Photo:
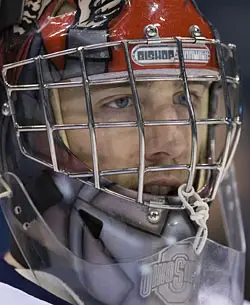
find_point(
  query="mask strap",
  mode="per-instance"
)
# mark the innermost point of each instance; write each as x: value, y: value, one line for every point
x: 199, y: 213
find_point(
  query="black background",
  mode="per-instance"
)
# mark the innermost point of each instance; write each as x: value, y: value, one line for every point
x: 232, y: 19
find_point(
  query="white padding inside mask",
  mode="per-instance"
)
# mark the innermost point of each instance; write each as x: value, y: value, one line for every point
x: 198, y: 74
x: 55, y: 102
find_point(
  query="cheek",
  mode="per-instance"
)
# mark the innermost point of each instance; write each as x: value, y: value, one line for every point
x: 80, y: 145
x: 202, y: 139
x: 116, y: 148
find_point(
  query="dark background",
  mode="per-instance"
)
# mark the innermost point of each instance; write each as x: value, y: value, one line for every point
x: 232, y: 19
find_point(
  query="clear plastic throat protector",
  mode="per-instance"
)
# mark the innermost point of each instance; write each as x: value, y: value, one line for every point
x: 99, y: 242
x: 123, y: 265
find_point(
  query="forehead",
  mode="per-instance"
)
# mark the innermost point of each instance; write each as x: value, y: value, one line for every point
x: 154, y: 86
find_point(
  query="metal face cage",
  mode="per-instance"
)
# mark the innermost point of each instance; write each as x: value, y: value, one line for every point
x: 227, y: 77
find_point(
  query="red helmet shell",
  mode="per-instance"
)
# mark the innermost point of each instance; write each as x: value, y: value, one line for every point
x: 173, y: 18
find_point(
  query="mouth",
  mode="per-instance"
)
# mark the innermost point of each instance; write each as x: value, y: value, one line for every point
x: 160, y: 190
x: 167, y: 186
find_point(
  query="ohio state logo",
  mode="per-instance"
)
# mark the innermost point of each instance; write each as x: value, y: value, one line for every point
x: 170, y: 277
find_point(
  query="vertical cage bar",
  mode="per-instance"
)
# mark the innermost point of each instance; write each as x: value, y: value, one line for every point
x: 91, y: 122
x: 38, y: 62
x: 238, y: 113
x: 227, y: 101
x: 140, y: 123
x: 9, y: 99
x: 194, y: 153
x: 237, y: 116
x: 234, y: 145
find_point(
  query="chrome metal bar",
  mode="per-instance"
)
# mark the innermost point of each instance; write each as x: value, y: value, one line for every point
x: 81, y: 175
x: 233, y: 127
x: 140, y: 124
x: 65, y: 84
x: 34, y: 128
x: 106, y: 45
x: 238, y: 110
x: 18, y: 64
x: 218, y: 121
x: 141, y: 78
x: 238, y: 113
x: 227, y: 102
x: 194, y: 150
x: 161, y: 168
x: 112, y: 81
x: 132, y: 170
x: 45, y: 112
x: 180, y: 167
x: 9, y: 99
x: 28, y: 155
x: 29, y: 87
x: 235, y: 61
x: 235, y: 142
x: 71, y: 126
x: 135, y: 170
x: 37, y: 128
x: 91, y: 122
x: 12, y: 108
x: 208, y: 166
x: 14, y: 119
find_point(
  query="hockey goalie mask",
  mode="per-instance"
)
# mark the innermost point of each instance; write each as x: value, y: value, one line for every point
x: 120, y: 122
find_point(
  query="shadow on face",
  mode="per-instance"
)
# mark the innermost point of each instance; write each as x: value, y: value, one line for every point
x: 119, y: 147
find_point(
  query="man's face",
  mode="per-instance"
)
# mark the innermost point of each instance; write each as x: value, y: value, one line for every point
x: 118, y: 147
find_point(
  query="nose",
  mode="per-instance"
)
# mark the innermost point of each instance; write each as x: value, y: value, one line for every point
x: 165, y: 142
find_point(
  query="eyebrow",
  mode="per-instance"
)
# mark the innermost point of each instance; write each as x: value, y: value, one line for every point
x: 148, y: 84
x: 193, y: 83
x: 111, y: 86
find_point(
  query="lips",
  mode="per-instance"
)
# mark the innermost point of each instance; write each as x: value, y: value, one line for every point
x: 162, y: 187
x: 157, y: 189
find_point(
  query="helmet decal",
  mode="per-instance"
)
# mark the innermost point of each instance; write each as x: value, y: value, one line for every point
x: 110, y: 150
x: 31, y: 13
x: 97, y: 14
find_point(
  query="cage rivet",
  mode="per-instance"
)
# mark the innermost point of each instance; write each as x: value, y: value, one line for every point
x: 26, y: 226
x: 151, y: 31
x: 6, y: 109
x: 195, y: 31
x: 17, y: 210
x: 154, y: 216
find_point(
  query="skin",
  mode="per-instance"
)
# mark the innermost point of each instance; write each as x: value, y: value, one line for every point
x: 119, y: 147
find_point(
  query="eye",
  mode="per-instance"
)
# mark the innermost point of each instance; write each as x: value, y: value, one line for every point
x: 180, y: 99
x: 121, y: 103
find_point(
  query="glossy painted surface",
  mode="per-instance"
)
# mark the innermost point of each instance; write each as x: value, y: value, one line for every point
x: 172, y: 19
